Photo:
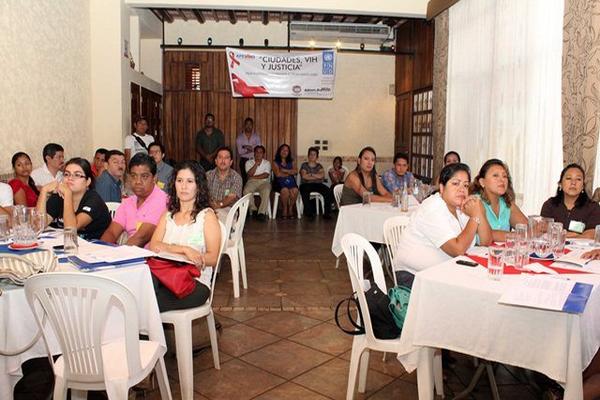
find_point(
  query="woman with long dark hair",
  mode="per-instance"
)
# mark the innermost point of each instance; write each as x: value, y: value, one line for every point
x: 364, y: 179
x: 73, y: 203
x: 571, y: 205
x: 285, y: 172
x: 189, y: 228
x: 493, y: 184
x: 23, y: 187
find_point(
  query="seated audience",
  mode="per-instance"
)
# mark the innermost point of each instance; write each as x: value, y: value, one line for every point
x: 163, y: 170
x: 337, y: 173
x: 208, y: 140
x: 24, y: 190
x: 494, y: 186
x: 451, y: 157
x: 73, y: 203
x: 138, y: 215
x: 445, y: 225
x: 54, y: 161
x: 189, y: 228
x: 245, y: 143
x: 258, y: 171
x: 99, y: 162
x: 6, y: 199
x: 285, y: 180
x: 364, y: 179
x: 312, y: 176
x: 398, y: 176
x: 571, y: 205
x: 109, y: 184
x: 139, y: 140
x: 224, y: 184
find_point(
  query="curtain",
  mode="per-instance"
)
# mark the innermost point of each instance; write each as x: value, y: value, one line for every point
x: 504, y: 91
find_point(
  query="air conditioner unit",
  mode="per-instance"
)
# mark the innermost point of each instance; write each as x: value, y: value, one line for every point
x: 344, y: 32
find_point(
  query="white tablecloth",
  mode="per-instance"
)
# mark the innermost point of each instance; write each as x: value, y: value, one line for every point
x: 456, y: 307
x: 18, y: 327
x: 366, y: 221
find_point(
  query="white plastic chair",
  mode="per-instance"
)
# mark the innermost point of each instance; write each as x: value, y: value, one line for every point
x: 269, y: 214
x: 299, y: 206
x: 77, y: 306
x: 112, y: 207
x: 337, y: 194
x: 392, y: 232
x: 182, y: 324
x: 354, y: 247
x: 234, y: 226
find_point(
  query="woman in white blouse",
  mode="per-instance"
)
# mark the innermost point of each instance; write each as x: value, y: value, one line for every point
x: 189, y: 228
x: 444, y: 225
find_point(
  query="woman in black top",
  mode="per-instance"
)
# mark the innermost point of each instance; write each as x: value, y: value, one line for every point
x: 572, y: 205
x: 313, y: 175
x: 73, y: 202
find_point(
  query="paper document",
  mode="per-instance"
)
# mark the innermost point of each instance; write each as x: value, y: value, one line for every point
x: 572, y: 259
x: 478, y: 251
x: 548, y: 293
x: 97, y: 253
x: 173, y: 257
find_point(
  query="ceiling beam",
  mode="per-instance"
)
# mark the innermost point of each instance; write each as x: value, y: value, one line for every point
x: 265, y: 17
x: 182, y: 14
x: 199, y: 16
x: 328, y: 18
x: 157, y: 14
x: 215, y: 15
x: 249, y: 16
x: 232, y: 17
x: 166, y: 16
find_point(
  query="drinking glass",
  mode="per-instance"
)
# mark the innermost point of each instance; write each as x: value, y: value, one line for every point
x: 597, y: 236
x: 396, y: 198
x: 4, y: 231
x: 495, y: 262
x: 70, y: 244
x: 23, y: 233
x: 521, y: 231
x: 366, y: 199
x: 510, y: 242
x: 559, y: 245
x: 38, y: 220
x: 541, y: 247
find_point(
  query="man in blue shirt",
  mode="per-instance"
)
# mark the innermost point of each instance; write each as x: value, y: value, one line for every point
x: 394, y: 179
x: 109, y: 183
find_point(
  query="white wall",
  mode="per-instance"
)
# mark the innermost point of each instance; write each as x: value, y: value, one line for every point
x: 362, y: 111
x: 45, y: 80
x: 151, y: 59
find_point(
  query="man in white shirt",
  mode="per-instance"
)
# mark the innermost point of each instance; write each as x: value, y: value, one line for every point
x: 258, y: 171
x: 138, y: 141
x: 6, y: 199
x: 54, y: 162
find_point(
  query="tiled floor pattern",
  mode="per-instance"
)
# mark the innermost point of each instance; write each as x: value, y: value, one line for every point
x: 279, y: 340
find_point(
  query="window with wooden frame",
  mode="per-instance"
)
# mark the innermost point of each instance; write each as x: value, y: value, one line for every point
x: 422, y: 135
x: 192, y: 76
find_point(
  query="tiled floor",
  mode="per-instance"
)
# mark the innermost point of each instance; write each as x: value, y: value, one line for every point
x: 279, y: 340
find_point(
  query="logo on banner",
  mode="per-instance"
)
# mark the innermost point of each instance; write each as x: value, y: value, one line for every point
x: 297, y: 89
x: 234, y: 61
x: 328, y: 62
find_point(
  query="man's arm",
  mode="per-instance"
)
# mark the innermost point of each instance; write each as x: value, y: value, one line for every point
x: 142, y: 236
x: 112, y: 233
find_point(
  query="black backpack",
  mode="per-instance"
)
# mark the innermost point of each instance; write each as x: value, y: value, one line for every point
x: 382, y: 320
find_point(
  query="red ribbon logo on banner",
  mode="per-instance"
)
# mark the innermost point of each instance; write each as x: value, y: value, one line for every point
x: 233, y: 60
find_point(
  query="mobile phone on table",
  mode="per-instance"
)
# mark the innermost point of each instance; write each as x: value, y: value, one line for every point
x: 467, y: 263
x: 58, y: 247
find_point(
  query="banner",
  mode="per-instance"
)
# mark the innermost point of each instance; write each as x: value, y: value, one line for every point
x: 306, y: 74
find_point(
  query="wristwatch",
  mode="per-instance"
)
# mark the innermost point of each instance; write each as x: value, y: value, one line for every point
x: 477, y: 220
x: 221, y: 205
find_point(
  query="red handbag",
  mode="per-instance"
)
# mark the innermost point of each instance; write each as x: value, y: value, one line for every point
x: 176, y: 276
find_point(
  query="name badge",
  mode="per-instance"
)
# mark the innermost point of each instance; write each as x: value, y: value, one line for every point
x: 576, y: 226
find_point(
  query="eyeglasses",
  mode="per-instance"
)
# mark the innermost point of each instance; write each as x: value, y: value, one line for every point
x: 76, y: 175
x: 143, y: 177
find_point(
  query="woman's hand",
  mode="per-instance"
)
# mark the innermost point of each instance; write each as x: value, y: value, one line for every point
x: 194, y: 256
x: 50, y: 187
x: 472, y: 207
x: 592, y: 254
x: 63, y: 190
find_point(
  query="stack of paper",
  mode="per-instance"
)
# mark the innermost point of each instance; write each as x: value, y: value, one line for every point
x: 548, y: 293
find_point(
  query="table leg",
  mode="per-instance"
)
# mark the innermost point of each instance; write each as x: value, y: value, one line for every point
x: 425, y: 373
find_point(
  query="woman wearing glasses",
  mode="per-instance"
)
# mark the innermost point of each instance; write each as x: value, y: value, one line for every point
x: 73, y: 203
